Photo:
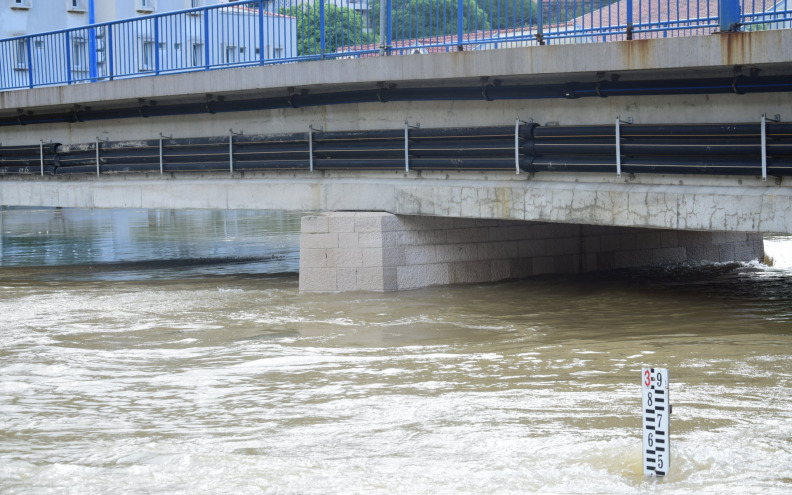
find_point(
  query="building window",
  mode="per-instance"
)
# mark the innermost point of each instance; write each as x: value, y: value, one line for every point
x: 145, y: 6
x: 20, y: 4
x: 147, y: 55
x: 79, y: 54
x: 197, y: 54
x: 76, y: 6
x: 231, y: 54
x: 20, y: 55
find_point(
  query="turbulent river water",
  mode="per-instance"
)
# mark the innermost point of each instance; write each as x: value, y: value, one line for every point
x: 170, y: 352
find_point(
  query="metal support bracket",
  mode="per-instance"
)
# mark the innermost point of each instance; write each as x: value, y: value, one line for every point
x: 161, y: 158
x: 231, y: 135
x: 517, y: 123
x: 310, y: 145
x: 619, y: 122
x: 407, y: 127
x: 41, y: 155
x: 99, y: 140
x: 765, y: 118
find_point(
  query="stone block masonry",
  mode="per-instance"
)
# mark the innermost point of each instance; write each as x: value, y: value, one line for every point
x: 373, y: 251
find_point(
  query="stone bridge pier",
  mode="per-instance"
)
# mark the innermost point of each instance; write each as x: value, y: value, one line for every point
x: 376, y: 251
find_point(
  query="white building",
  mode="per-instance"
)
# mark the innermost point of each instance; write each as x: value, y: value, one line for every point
x: 142, y: 41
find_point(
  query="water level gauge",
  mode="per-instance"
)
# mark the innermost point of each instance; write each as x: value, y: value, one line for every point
x: 656, y: 409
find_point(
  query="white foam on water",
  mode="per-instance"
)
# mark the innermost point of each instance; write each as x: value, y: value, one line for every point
x: 779, y: 249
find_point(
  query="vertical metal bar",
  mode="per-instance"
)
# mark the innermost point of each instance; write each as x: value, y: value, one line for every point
x: 156, y: 46
x: 618, y: 146
x: 231, y: 150
x: 629, y: 19
x: 517, y: 145
x: 539, y: 22
x: 110, y: 50
x: 41, y: 155
x: 97, y: 156
x: 68, y: 58
x: 29, y: 61
x: 764, y: 147
x: 322, y: 41
x: 310, y: 148
x: 206, y: 38
x: 728, y: 14
x: 389, y: 29
x: 92, y: 41
x: 161, y: 160
x: 261, y: 31
x: 460, y: 20
x: 406, y: 148
x: 383, y: 19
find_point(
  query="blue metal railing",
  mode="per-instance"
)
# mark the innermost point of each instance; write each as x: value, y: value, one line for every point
x: 260, y: 32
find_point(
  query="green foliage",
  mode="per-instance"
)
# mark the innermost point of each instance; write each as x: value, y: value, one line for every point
x: 343, y: 27
x: 430, y: 18
x: 506, y: 14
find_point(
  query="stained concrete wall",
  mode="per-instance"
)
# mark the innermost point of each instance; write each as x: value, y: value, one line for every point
x: 350, y: 251
x: 734, y: 204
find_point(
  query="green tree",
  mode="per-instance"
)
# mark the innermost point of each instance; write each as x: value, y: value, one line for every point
x: 510, y: 14
x: 430, y: 18
x: 342, y: 27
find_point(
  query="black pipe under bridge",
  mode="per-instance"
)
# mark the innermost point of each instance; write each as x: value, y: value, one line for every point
x: 761, y: 149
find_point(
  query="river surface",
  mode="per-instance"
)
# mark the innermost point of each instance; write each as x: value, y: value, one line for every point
x: 170, y: 352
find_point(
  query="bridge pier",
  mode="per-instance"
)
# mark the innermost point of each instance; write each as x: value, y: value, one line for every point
x: 374, y: 251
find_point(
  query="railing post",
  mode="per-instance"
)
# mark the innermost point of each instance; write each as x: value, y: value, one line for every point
x: 206, y: 38
x: 460, y: 21
x: 322, y: 39
x: 384, y: 30
x: 92, y: 42
x: 29, y: 61
x: 109, y: 49
x: 156, y: 46
x: 729, y: 15
x: 68, y: 58
x: 261, y: 31
x: 539, y: 22
x: 389, y: 31
x: 629, y: 19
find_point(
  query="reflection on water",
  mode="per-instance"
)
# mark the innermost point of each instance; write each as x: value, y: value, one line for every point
x: 198, y: 370
x: 115, y: 244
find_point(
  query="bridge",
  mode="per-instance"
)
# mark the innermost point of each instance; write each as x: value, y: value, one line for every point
x: 442, y: 168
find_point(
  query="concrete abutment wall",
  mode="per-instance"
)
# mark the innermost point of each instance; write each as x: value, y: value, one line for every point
x: 373, y: 251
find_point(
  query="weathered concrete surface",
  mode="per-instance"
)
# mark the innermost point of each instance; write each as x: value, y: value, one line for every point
x: 658, y: 58
x: 368, y: 251
x: 702, y: 56
x: 699, y: 203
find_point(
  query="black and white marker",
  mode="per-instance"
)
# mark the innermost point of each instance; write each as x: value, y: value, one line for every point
x: 656, y: 409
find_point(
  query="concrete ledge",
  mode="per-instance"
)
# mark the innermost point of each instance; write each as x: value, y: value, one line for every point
x: 712, y: 204
x: 651, y: 58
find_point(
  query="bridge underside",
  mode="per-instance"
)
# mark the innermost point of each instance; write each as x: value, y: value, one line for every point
x: 372, y: 251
